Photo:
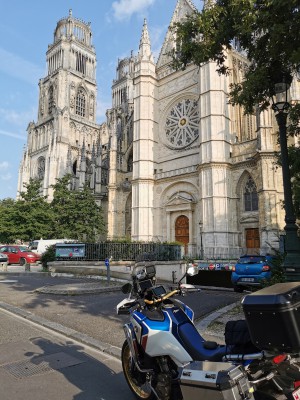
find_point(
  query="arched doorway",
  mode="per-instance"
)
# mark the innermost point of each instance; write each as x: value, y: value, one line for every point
x: 182, y: 231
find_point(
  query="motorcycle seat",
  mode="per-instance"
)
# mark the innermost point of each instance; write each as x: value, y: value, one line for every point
x: 196, y: 346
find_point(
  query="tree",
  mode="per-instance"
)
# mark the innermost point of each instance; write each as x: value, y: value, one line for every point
x: 32, y: 216
x: 7, y: 232
x: 267, y: 30
x: 77, y: 214
x: 28, y: 218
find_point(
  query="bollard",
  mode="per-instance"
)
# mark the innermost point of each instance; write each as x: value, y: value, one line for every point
x: 107, y: 262
x: 4, y: 266
x: 27, y: 267
x: 174, y: 279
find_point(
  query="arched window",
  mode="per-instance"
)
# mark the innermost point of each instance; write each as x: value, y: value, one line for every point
x: 80, y: 103
x: 50, y: 100
x: 250, y: 196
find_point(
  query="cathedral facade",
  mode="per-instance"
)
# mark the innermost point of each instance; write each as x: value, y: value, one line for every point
x: 173, y: 161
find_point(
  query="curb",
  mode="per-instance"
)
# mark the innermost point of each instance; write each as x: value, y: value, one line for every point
x: 70, y: 333
x: 76, y: 290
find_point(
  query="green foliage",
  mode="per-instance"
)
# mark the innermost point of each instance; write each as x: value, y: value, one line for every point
x: 294, y: 162
x: 48, y: 256
x: 71, y: 214
x: 7, y: 232
x: 27, y: 218
x: 278, y: 274
x: 267, y: 31
x: 77, y: 216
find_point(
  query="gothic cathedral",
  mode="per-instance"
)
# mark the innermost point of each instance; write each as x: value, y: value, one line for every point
x: 173, y: 161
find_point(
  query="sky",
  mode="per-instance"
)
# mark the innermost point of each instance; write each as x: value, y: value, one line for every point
x: 26, y: 29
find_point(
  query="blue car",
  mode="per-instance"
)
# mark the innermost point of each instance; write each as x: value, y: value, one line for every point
x: 251, y: 271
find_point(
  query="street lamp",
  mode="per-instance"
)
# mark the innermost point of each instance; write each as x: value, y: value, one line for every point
x: 201, y: 242
x: 291, y: 263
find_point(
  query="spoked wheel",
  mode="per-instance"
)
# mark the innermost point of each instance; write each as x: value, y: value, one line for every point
x: 136, y: 380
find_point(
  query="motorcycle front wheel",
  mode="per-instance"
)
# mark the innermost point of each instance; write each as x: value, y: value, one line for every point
x: 136, y: 380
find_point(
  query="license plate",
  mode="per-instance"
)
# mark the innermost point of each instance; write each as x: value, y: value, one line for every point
x: 296, y: 394
x: 248, y: 280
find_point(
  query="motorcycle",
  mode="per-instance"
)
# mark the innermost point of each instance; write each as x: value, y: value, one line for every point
x: 165, y: 357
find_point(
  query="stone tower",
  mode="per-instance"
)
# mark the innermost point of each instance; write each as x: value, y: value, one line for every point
x: 66, y: 137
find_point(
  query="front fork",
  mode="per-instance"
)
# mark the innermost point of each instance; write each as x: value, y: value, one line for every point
x: 163, y: 379
x: 131, y: 340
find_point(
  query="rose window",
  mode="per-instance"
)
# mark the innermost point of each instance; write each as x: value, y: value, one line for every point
x: 182, y: 124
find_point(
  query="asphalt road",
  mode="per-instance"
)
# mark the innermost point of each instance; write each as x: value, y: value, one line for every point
x: 38, y: 363
x: 94, y: 314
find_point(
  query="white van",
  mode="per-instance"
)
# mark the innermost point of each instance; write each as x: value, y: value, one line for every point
x: 40, y: 246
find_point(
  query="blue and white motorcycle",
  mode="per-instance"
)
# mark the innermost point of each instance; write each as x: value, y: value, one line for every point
x: 165, y: 357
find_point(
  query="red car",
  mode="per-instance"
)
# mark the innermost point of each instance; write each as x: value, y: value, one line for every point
x: 19, y: 255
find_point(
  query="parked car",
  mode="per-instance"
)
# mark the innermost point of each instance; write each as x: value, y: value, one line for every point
x: 251, y: 271
x: 19, y: 254
x: 3, y: 260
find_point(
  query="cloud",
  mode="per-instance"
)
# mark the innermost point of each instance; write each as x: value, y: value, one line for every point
x: 124, y: 9
x: 15, y: 66
x: 13, y: 135
x: 17, y: 118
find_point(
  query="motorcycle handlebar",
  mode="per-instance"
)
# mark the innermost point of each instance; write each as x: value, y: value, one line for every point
x: 166, y: 296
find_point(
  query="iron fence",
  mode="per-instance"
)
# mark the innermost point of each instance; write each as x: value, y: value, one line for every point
x: 118, y: 251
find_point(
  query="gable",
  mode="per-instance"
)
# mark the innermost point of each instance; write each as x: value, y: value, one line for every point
x: 183, y: 7
x: 180, y: 198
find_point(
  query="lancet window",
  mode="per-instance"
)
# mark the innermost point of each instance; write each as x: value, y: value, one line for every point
x: 250, y: 196
x: 80, y: 103
x: 50, y: 100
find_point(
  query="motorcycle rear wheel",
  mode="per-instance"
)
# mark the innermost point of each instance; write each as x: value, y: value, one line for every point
x: 136, y: 380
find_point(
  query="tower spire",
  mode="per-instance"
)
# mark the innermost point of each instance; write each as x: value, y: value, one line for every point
x: 145, y: 44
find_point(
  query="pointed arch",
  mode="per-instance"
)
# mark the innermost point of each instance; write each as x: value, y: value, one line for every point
x: 250, y: 195
x: 247, y: 192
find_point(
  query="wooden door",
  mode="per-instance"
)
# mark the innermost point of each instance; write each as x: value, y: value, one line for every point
x: 182, y: 231
x: 252, y: 238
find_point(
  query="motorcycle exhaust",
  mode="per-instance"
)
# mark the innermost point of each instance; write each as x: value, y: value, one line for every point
x: 129, y: 338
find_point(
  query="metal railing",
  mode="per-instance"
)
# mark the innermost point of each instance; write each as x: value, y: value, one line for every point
x: 118, y: 251
x: 219, y: 253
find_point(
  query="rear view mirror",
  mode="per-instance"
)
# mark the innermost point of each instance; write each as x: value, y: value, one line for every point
x: 192, y: 270
x: 126, y: 288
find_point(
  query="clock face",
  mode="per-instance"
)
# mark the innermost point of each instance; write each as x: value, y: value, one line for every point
x: 182, y: 124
